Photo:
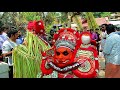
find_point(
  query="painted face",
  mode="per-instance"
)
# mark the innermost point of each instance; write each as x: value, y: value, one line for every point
x: 63, y: 56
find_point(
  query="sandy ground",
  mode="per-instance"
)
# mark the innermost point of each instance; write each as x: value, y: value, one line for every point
x: 101, y: 73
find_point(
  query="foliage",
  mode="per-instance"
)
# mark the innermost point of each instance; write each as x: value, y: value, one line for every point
x: 1, y: 24
x: 27, y: 58
x: 21, y: 18
x: 91, y: 21
x: 30, y: 16
x: 49, y: 21
x: 101, y: 14
x: 64, y: 17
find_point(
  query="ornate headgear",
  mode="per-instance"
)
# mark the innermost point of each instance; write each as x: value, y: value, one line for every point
x: 85, y: 37
x: 30, y: 26
x: 66, y: 37
x: 37, y: 26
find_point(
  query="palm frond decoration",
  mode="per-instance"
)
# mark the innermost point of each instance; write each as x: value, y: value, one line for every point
x: 27, y: 58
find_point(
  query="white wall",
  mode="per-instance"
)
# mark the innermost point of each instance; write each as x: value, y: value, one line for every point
x: 114, y: 22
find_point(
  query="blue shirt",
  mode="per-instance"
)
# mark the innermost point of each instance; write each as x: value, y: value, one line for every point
x: 2, y: 40
x: 20, y: 40
x: 112, y: 48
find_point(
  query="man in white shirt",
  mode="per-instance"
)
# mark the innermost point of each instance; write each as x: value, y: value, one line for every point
x: 7, y: 47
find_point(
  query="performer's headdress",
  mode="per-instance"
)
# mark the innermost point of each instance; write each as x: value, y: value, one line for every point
x: 66, y: 37
x: 37, y: 26
x: 85, y: 37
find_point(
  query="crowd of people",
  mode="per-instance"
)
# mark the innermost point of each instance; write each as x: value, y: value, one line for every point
x: 108, y: 47
x: 9, y: 38
x: 107, y: 43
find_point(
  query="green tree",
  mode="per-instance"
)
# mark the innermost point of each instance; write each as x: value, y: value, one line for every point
x: 91, y: 21
x: 101, y: 14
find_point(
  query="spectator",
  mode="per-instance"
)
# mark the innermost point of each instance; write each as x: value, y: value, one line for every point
x: 98, y: 39
x: 103, y: 27
x: 98, y: 35
x: 7, y: 48
x: 54, y: 28
x: 112, y: 52
x: 85, y: 29
x: 2, y: 40
x: 5, y: 30
x: 51, y: 36
x: 103, y: 36
x: 94, y: 35
x: 20, y: 39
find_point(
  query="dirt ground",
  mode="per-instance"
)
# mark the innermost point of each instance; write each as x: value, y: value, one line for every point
x: 101, y: 72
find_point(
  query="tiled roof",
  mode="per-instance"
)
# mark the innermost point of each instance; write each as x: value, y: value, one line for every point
x: 99, y: 21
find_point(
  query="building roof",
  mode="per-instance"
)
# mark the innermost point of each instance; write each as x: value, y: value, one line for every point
x: 99, y: 21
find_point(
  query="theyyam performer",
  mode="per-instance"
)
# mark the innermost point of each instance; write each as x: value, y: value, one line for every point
x: 72, y: 56
x: 87, y: 51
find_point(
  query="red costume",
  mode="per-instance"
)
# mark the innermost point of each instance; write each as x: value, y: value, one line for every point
x: 37, y: 28
x: 87, y: 50
x: 67, y: 57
